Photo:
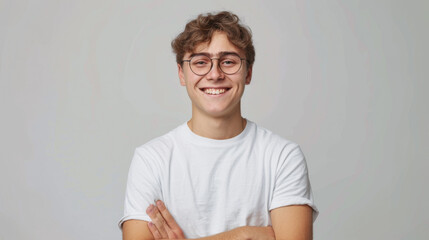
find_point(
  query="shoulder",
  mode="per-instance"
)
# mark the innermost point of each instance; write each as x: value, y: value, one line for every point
x: 268, y: 139
x: 160, y: 146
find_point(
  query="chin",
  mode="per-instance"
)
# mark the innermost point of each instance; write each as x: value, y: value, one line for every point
x: 218, y: 113
x: 217, y: 110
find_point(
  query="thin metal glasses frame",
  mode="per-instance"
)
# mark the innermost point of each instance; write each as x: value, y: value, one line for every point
x: 218, y: 64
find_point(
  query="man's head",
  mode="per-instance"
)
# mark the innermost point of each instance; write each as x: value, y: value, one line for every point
x: 201, y: 30
x: 214, y: 59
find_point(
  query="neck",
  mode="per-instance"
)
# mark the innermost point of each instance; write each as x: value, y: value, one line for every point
x: 217, y: 128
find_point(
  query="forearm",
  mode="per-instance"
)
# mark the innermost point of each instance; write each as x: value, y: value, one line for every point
x: 243, y: 233
x: 163, y: 226
x: 234, y: 234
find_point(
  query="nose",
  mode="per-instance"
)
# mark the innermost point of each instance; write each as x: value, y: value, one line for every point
x: 215, y: 72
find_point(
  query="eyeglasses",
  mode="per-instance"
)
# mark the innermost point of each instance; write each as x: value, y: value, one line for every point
x: 201, y: 64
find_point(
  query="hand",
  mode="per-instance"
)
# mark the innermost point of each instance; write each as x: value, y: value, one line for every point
x: 163, y: 224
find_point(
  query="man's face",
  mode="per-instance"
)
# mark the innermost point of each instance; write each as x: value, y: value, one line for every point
x: 215, y: 94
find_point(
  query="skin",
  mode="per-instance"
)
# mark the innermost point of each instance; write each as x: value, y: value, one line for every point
x: 219, y: 117
x: 216, y: 117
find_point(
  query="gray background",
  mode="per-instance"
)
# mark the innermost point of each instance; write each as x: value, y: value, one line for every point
x: 82, y: 83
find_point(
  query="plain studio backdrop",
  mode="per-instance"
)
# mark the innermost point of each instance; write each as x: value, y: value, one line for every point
x: 83, y: 83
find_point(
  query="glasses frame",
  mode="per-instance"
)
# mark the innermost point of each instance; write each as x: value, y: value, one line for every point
x: 218, y: 64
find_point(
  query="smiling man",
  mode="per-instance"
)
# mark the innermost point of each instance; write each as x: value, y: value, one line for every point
x: 219, y: 175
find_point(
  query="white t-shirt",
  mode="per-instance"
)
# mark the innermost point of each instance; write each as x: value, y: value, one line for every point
x: 212, y: 186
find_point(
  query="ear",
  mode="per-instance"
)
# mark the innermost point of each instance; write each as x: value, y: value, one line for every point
x: 181, y: 75
x: 249, y: 74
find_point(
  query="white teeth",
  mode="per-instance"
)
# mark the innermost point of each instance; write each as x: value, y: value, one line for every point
x: 213, y: 91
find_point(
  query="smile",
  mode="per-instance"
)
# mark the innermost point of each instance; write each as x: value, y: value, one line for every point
x: 214, y: 91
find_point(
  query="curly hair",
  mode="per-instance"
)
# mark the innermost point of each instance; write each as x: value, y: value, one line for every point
x: 201, y: 29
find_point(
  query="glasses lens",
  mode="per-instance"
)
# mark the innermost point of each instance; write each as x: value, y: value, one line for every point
x: 200, y: 64
x: 230, y: 63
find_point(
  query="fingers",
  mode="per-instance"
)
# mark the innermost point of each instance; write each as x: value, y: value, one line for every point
x: 154, y: 230
x: 159, y: 223
x: 169, y: 219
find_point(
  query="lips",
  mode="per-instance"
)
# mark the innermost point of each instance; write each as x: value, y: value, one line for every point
x: 214, y: 91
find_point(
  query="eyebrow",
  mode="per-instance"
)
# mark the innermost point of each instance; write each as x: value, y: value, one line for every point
x: 220, y: 54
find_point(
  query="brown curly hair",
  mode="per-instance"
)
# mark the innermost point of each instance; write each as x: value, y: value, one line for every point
x: 201, y: 29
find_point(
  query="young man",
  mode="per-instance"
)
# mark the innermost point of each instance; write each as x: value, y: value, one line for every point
x: 218, y: 176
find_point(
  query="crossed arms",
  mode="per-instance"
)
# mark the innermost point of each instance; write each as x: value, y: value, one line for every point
x: 290, y: 222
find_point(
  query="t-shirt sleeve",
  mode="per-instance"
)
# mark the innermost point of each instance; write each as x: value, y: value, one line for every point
x: 143, y: 187
x: 292, y: 184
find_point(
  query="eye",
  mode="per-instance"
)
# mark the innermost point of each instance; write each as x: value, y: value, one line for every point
x: 228, y: 62
x: 200, y: 62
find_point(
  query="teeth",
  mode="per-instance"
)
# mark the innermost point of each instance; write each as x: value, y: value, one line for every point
x: 213, y: 91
